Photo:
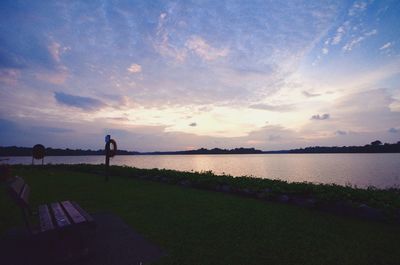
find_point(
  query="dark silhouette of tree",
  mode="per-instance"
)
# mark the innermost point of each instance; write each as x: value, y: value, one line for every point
x: 374, y: 147
x: 376, y: 143
x: 27, y: 151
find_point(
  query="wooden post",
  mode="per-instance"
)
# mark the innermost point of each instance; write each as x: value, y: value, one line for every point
x: 109, y: 153
x: 107, y: 159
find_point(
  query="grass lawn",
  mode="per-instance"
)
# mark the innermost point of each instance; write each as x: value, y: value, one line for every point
x: 205, y: 227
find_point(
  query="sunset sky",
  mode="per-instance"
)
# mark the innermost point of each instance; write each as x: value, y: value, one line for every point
x: 178, y: 75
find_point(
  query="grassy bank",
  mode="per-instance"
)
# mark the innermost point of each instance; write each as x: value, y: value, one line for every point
x: 204, y: 227
x: 382, y: 204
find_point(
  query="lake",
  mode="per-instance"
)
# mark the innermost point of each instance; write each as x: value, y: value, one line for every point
x: 379, y: 170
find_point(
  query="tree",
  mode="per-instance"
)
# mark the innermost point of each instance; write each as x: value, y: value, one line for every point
x: 376, y: 143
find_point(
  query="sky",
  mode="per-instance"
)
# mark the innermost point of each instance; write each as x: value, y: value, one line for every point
x: 181, y: 75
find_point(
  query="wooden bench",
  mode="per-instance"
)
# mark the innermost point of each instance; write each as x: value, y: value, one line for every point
x: 53, y: 217
x: 64, y: 229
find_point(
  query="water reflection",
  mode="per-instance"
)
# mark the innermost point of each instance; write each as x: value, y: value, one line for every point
x: 380, y: 170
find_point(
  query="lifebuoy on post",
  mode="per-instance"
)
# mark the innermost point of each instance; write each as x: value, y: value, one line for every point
x: 38, y: 152
x: 112, y: 152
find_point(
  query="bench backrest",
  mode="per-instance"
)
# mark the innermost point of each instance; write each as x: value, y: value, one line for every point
x: 20, y: 191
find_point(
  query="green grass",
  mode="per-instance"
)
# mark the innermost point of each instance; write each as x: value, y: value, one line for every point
x: 386, y: 200
x: 204, y: 227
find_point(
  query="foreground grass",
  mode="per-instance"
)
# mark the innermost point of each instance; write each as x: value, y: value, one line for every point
x: 204, y: 227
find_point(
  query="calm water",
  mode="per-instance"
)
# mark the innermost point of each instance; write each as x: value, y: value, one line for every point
x: 380, y: 170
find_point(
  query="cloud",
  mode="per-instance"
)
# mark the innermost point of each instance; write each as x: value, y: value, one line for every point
x: 57, y: 76
x: 350, y: 27
x: 193, y: 124
x: 15, y: 132
x: 371, y: 33
x: 385, y: 46
x: 118, y: 133
x: 394, y: 130
x: 162, y: 42
x: 264, y: 106
x: 318, y: 117
x: 118, y: 119
x: 56, y: 50
x: 58, y: 73
x: 135, y: 68
x: 11, y: 133
x: 366, y: 113
x: 52, y: 129
x: 339, y: 132
x: 340, y: 33
x: 199, y: 46
x: 274, y: 137
x: 310, y: 95
x: 350, y: 45
x: 24, y: 50
x: 85, y: 103
x: 179, y: 50
x: 357, y: 7
x: 9, y: 60
x: 6, y: 124
x: 9, y: 76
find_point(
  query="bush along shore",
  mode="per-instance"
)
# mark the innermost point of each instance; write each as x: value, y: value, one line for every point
x: 370, y: 203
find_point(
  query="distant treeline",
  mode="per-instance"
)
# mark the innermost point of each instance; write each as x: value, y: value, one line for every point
x: 374, y: 147
x: 27, y: 151
x: 211, y: 151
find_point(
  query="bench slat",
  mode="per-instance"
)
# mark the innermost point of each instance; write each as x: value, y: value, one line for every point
x: 25, y: 195
x: 75, y: 215
x: 17, y: 185
x: 46, y: 223
x: 83, y: 212
x: 59, y: 215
